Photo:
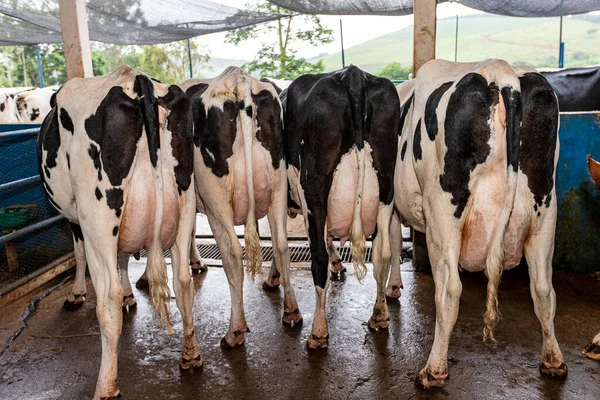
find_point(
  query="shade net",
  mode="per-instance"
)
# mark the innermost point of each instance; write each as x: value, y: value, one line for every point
x: 515, y: 8
x: 123, y: 21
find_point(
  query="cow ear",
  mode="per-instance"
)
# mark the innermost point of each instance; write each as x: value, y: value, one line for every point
x: 53, y: 100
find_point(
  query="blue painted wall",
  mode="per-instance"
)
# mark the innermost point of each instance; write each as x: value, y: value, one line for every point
x: 578, y: 225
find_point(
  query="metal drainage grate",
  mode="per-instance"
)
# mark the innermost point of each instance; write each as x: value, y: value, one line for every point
x: 298, y: 253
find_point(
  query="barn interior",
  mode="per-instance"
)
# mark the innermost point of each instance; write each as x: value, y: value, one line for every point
x: 48, y: 352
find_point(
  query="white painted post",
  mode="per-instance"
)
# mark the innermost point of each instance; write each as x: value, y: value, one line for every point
x: 424, y: 36
x: 76, y: 38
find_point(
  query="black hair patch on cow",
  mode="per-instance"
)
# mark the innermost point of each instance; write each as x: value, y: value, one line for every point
x: 431, y: 121
x: 2, y: 107
x: 381, y: 127
x: 115, y: 230
x: 117, y: 127
x: 114, y: 199
x: 417, y: 150
x: 538, y: 136
x: 144, y: 87
x: 216, y: 142
x: 54, y: 203
x: 94, y: 154
x: 249, y: 111
x: 270, y: 125
x: 66, y: 121
x: 194, y: 93
x: 47, y: 172
x: 49, y: 140
x: 35, y: 113
x: 466, y: 135
x: 77, y: 233
x: 98, y: 194
x: 404, y: 112
x: 68, y: 160
x: 512, y: 105
x: 180, y: 124
x: 403, y: 152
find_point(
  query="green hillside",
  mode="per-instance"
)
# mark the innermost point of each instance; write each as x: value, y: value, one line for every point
x: 532, y: 41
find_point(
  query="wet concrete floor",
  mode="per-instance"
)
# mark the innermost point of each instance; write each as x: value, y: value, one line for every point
x: 275, y: 364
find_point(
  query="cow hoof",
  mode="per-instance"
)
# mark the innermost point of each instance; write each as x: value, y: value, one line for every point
x: 427, y: 380
x: 292, y: 318
x: 129, y: 301
x: 315, y: 342
x: 592, y: 351
x: 198, y: 267
x: 110, y: 397
x: 74, y: 301
x: 337, y: 266
x: 376, y: 324
x: 142, y: 283
x: 554, y: 372
x: 271, y: 284
x: 393, y: 292
x: 186, y: 364
x: 233, y: 340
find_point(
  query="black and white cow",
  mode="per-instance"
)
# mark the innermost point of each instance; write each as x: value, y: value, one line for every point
x: 115, y: 156
x: 8, y: 108
x: 34, y: 105
x: 476, y: 168
x: 577, y: 89
x: 341, y: 145
x: 593, y: 350
x: 240, y: 173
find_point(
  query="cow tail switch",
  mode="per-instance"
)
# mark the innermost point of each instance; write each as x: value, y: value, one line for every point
x: 156, y: 268
x: 252, y: 241
x: 510, y: 100
x: 354, y: 82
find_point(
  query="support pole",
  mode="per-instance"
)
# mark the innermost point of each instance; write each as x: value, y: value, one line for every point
x: 424, y: 36
x: 342, y: 40
x: 190, y: 58
x: 561, y: 48
x: 456, y: 41
x: 39, y: 65
x: 76, y: 38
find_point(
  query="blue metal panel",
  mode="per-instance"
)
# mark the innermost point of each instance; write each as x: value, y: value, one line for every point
x: 578, y: 226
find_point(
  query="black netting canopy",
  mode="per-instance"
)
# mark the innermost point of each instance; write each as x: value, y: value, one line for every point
x: 123, y: 21
x: 515, y: 8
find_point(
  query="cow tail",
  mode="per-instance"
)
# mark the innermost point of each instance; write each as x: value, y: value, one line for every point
x: 355, y: 83
x: 495, y: 256
x: 252, y: 241
x: 156, y: 268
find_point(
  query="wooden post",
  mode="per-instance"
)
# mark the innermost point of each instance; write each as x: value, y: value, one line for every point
x: 424, y: 36
x: 73, y: 22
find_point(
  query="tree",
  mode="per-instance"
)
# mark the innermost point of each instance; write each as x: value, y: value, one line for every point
x: 394, y: 70
x: 169, y: 63
x: 277, y: 58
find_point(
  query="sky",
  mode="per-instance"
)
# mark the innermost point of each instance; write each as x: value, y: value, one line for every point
x: 357, y: 29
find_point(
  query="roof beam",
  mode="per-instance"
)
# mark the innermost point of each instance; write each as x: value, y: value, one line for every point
x: 424, y: 36
x: 76, y: 38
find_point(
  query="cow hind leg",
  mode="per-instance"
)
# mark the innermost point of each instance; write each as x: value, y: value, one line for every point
x: 277, y: 216
x: 109, y: 293
x: 128, y: 297
x: 196, y: 262
x: 444, y: 254
x: 593, y: 350
x: 538, y: 251
x: 395, y: 282
x: 337, y: 267
x: 274, y: 279
x: 381, y: 262
x: 76, y: 297
x: 184, y: 288
x: 231, y: 252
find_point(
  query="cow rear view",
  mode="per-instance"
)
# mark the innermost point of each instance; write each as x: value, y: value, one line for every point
x: 115, y: 159
x: 479, y: 182
x: 240, y: 178
x: 341, y: 135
